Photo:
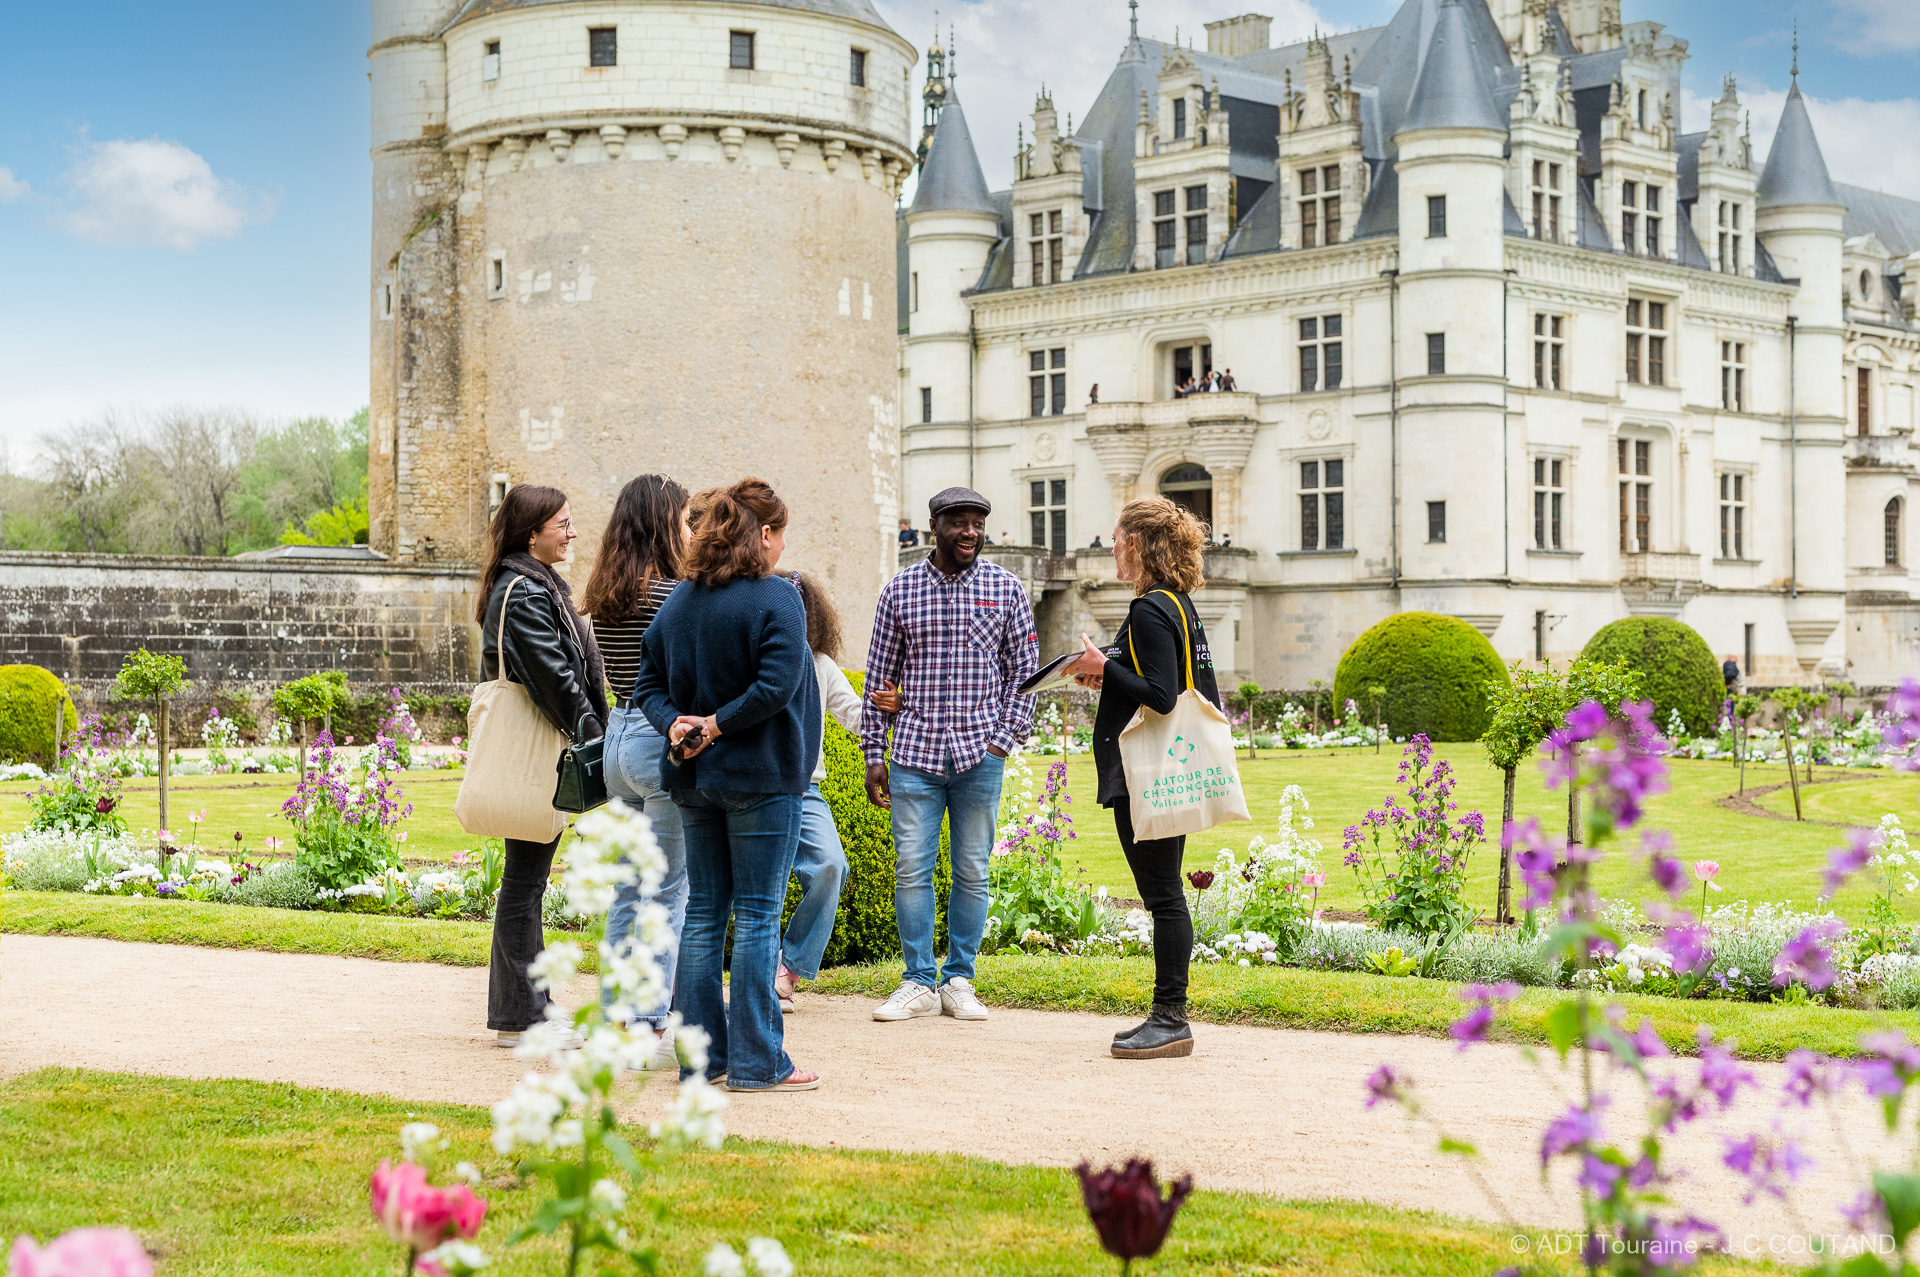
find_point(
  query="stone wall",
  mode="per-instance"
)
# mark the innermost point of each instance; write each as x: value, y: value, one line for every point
x: 240, y: 624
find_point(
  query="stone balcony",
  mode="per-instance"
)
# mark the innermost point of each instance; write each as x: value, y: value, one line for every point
x: 1222, y: 405
x: 1879, y: 452
x: 1659, y: 584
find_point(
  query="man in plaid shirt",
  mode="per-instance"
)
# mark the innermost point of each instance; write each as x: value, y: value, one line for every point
x: 953, y: 639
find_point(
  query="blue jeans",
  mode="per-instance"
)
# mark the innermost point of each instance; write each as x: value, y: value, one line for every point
x: 633, y: 753
x: 821, y: 865
x: 971, y: 802
x: 739, y: 856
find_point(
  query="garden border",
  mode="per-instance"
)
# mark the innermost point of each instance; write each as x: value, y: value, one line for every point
x: 1744, y: 804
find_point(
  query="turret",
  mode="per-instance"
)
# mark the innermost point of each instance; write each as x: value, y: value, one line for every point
x: 952, y: 226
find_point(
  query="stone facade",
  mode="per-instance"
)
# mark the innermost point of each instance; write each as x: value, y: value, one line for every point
x: 240, y: 624
x: 1432, y: 291
x: 583, y: 273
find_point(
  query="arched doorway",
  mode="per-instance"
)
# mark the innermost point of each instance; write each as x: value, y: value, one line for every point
x: 1190, y: 487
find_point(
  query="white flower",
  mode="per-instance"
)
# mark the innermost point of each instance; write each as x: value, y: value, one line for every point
x: 695, y: 1115
x: 609, y: 1196
x: 529, y: 1116
x: 723, y: 1261
x: 555, y: 965
x: 769, y: 1257
x: 456, y: 1257
x: 1245, y: 963
x: 468, y: 1172
x: 417, y: 1138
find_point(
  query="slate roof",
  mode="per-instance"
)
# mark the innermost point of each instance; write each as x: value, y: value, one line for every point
x: 951, y: 178
x: 1451, y: 91
x: 1895, y: 220
x: 1796, y: 172
x: 857, y: 10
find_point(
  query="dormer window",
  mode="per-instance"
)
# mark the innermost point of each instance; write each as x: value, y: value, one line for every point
x: 1653, y: 220
x: 1046, y: 245
x: 1730, y: 237
x: 1629, y: 220
x: 1640, y: 109
x: 1166, y: 229
x: 1546, y: 201
x: 1320, y: 206
x: 1179, y: 118
x: 1196, y: 225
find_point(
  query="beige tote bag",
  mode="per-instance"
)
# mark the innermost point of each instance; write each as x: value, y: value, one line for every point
x: 1181, y: 773
x: 512, y: 756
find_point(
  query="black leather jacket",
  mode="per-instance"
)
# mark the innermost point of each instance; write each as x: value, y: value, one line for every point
x: 542, y: 655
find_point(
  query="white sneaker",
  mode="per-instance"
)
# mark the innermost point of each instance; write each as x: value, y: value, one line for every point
x: 908, y: 1002
x: 957, y: 1000
x: 507, y: 1038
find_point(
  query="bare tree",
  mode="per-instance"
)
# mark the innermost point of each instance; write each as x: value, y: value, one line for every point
x: 86, y: 465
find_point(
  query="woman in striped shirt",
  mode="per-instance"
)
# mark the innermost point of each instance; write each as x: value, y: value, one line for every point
x: 636, y: 569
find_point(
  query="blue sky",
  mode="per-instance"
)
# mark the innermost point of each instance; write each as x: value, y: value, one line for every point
x: 183, y: 188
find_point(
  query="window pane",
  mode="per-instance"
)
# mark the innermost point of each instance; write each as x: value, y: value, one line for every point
x: 1540, y: 520
x: 1333, y: 365
x: 1633, y: 313
x: 1053, y: 221
x: 1656, y: 314
x: 1336, y: 521
x: 1436, y: 354
x: 1540, y: 470
x: 602, y: 47
x: 1556, y: 473
x: 1330, y: 177
x: 1059, y: 492
x: 1038, y: 404
x: 1309, y: 474
x: 1037, y: 492
x: 741, y: 50
x: 1436, y: 215
x: 1309, y: 368
x: 1037, y: 360
x: 1196, y: 198
x: 1039, y: 536
x: 1163, y: 203
x: 1642, y: 457
x: 1059, y: 356
x: 1059, y: 518
x: 1309, y: 329
x: 1059, y: 393
x: 857, y: 74
x: 1436, y: 520
x: 1310, y: 182
x: 1331, y: 327
x: 1309, y: 522
x: 1039, y: 225
x: 1557, y: 499
x: 1336, y: 474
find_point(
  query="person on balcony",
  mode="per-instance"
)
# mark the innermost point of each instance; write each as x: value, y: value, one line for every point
x: 1226, y: 380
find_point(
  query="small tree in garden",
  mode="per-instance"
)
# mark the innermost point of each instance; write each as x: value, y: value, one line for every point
x: 1524, y: 711
x: 1376, y: 694
x: 1608, y: 684
x: 1319, y: 686
x: 146, y: 676
x: 1796, y: 707
x: 1745, y: 706
x: 1244, y: 697
x: 305, y: 699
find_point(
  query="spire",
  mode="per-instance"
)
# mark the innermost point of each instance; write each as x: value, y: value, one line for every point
x: 1450, y: 93
x: 951, y: 177
x: 1796, y: 172
x: 1133, y: 20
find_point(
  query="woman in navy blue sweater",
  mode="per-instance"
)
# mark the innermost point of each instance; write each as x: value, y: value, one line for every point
x: 727, y: 677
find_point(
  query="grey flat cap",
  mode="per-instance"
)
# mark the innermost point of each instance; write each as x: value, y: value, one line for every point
x: 958, y: 499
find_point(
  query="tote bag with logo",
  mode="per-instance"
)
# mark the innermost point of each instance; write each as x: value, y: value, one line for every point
x: 1181, y: 773
x: 512, y: 753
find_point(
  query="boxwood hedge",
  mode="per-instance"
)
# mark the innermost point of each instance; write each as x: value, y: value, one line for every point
x: 28, y: 695
x: 1435, y: 669
x: 1676, y: 667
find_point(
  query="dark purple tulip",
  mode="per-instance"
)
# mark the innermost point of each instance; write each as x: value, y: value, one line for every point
x: 1201, y: 879
x: 104, y: 805
x: 1126, y: 1208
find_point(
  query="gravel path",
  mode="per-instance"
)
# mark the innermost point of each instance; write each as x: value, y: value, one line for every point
x: 1265, y: 1110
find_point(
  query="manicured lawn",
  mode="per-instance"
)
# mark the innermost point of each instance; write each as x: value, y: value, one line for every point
x: 1761, y: 859
x: 1861, y: 798
x: 1283, y: 997
x: 244, y: 1178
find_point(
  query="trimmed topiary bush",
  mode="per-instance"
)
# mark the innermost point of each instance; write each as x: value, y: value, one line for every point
x: 1676, y: 667
x: 28, y: 695
x: 865, y: 930
x: 1435, y: 669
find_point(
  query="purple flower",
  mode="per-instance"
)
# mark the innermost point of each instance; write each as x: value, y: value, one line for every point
x: 1720, y: 1074
x: 1844, y: 862
x: 1903, y: 725
x: 1586, y: 721
x: 1535, y: 859
x: 1807, y: 957
x: 1767, y: 1162
x: 1677, y: 1241
x: 1865, y: 1213
x: 1599, y: 1177
x: 1687, y: 943
x: 1572, y: 1130
x: 1471, y: 1027
x: 1892, y: 1062
x: 1809, y: 1075
x: 1387, y: 1083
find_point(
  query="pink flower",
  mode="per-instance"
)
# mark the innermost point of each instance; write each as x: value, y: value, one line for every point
x: 461, y: 858
x: 1705, y: 871
x: 1314, y: 880
x: 84, y: 1252
x: 417, y: 1214
x: 166, y: 835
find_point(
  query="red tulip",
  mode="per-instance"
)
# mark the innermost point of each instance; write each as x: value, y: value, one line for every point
x: 1127, y: 1210
x: 416, y: 1213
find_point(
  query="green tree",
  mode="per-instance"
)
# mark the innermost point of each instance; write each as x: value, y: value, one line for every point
x: 1796, y: 705
x: 305, y: 699
x: 146, y: 676
x: 1376, y: 697
x: 345, y: 524
x: 1243, y: 698
x: 1609, y: 683
x: 1745, y: 706
x: 1522, y: 711
x: 1677, y: 670
x: 1436, y: 669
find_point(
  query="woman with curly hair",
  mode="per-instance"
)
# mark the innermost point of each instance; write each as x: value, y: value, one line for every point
x: 1157, y: 548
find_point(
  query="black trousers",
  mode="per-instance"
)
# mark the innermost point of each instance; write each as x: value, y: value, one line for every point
x: 512, y: 1001
x: 1156, y: 873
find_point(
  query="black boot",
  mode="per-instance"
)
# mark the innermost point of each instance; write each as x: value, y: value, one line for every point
x: 1127, y: 1033
x: 1165, y: 1035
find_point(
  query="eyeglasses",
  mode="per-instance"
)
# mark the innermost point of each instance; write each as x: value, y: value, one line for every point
x: 565, y: 525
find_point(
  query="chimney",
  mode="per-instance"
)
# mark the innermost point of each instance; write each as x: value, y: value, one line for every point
x: 1248, y: 33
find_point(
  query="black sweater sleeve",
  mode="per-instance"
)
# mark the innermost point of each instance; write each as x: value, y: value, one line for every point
x: 1159, y: 644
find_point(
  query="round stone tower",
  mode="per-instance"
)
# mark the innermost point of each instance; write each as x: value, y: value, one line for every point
x: 619, y: 236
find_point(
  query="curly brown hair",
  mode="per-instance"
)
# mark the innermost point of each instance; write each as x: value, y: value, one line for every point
x: 823, y: 619
x: 726, y: 539
x: 1168, y: 541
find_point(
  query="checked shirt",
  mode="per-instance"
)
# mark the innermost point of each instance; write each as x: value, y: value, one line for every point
x: 957, y: 647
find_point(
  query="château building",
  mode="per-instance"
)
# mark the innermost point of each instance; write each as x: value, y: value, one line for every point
x: 1509, y: 340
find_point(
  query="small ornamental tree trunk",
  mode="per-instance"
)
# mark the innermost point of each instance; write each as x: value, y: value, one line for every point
x: 59, y: 727
x: 1573, y: 815
x: 300, y: 740
x: 160, y: 735
x: 1378, y: 728
x: 1503, y: 904
x: 1743, y: 757
x: 1793, y: 771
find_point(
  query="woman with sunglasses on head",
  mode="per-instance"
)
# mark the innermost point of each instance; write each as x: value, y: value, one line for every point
x: 535, y: 637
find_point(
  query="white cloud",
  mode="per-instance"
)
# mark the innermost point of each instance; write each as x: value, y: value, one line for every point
x: 153, y: 193
x: 12, y: 189
x: 1008, y: 48
x: 1866, y: 143
x: 1879, y: 26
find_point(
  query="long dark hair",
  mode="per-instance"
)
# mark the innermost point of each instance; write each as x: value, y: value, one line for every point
x: 726, y: 541
x: 643, y: 543
x: 525, y: 511
x: 823, y: 619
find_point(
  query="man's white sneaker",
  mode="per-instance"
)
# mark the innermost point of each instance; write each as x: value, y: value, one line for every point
x: 908, y: 1002
x: 957, y: 1000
